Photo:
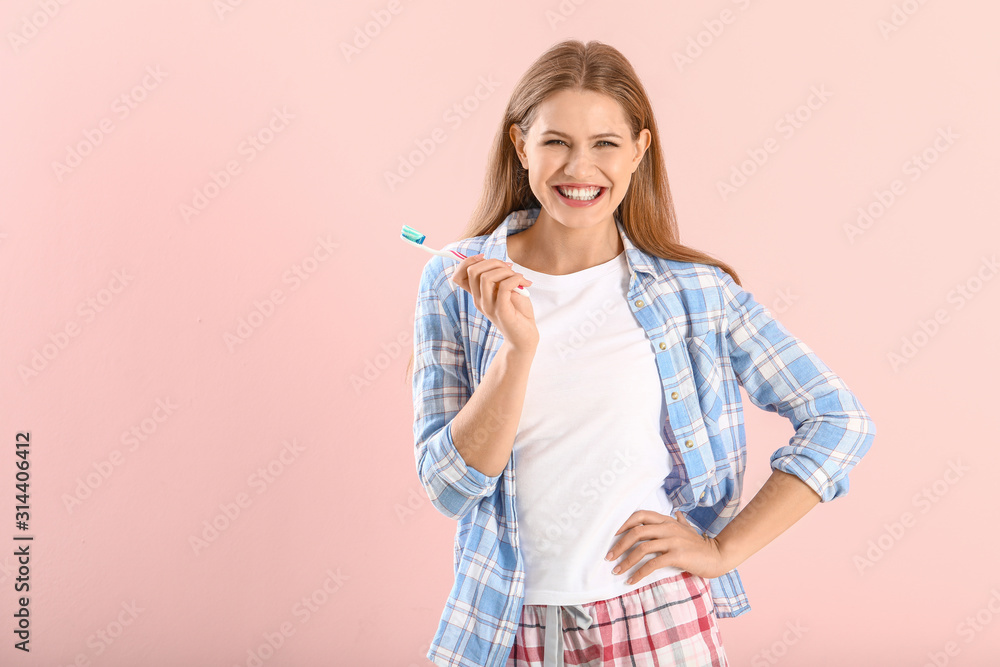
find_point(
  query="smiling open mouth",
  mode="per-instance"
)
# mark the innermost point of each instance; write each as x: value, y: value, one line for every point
x: 580, y: 195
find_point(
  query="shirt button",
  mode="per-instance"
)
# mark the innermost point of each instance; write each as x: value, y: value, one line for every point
x: 663, y: 346
x: 689, y: 443
x: 702, y: 495
x: 639, y: 303
x: 674, y: 395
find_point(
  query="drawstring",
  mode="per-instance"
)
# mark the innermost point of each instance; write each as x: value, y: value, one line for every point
x: 554, y: 634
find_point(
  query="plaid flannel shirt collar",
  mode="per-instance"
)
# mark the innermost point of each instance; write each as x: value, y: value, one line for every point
x: 495, y: 246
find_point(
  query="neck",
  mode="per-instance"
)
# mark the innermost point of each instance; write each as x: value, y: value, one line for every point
x: 551, y: 247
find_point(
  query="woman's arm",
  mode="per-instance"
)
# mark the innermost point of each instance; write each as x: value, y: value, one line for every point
x: 783, y: 500
x: 463, y: 439
x: 833, y: 431
x: 782, y: 374
x: 484, y: 430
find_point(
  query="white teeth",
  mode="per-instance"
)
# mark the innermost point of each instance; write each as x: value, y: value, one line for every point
x: 582, y: 194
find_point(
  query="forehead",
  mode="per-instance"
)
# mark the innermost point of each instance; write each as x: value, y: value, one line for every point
x: 571, y: 110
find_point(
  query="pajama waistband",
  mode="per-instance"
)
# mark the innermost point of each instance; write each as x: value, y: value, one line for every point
x: 554, y: 631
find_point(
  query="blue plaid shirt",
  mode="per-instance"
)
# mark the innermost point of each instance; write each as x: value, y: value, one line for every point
x: 710, y: 336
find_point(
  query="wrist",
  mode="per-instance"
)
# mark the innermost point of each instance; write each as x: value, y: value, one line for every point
x: 730, y: 561
x: 525, y: 352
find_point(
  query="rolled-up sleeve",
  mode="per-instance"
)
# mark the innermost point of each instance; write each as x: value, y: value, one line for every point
x: 440, y: 389
x: 782, y: 374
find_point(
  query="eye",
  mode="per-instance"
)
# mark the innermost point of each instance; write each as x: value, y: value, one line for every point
x: 560, y: 141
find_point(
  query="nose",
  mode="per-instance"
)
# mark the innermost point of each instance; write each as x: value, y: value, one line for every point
x: 579, y: 164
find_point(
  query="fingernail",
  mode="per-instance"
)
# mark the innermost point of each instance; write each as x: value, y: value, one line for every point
x: 616, y: 570
x: 608, y: 557
x: 509, y: 263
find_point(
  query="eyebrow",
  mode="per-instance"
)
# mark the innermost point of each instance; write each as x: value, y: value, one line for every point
x: 596, y: 136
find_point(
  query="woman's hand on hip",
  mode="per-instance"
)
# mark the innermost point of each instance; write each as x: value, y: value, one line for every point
x: 677, y: 543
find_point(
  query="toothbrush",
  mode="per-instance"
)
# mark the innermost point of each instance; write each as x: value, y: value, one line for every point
x: 415, y: 238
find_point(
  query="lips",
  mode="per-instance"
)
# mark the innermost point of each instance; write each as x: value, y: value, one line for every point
x: 578, y: 188
x: 579, y: 203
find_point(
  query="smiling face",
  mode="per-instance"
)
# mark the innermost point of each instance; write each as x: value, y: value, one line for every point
x: 580, y: 156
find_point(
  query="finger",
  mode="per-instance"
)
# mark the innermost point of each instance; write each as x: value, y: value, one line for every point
x: 637, y: 554
x: 631, y: 521
x: 461, y: 274
x: 505, y: 288
x: 641, y: 517
x: 473, y: 275
x: 522, y: 281
x: 648, y: 567
x: 632, y: 536
x: 488, y: 279
x: 511, y: 282
x: 683, y: 520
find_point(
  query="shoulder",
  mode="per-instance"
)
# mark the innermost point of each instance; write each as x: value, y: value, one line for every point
x: 698, y: 276
x: 690, y: 276
x: 704, y: 290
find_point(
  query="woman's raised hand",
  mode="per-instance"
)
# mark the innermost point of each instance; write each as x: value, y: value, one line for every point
x: 493, y: 286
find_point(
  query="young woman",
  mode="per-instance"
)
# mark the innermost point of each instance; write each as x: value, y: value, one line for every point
x: 613, y: 386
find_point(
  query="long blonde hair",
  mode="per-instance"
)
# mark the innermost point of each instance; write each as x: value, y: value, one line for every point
x: 646, y: 212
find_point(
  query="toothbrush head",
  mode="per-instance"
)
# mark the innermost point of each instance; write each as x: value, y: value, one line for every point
x: 412, y: 235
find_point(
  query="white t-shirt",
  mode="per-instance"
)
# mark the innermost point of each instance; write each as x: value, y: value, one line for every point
x: 589, y: 449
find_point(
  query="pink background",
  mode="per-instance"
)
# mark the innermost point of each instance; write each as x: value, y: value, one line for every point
x: 315, y: 389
